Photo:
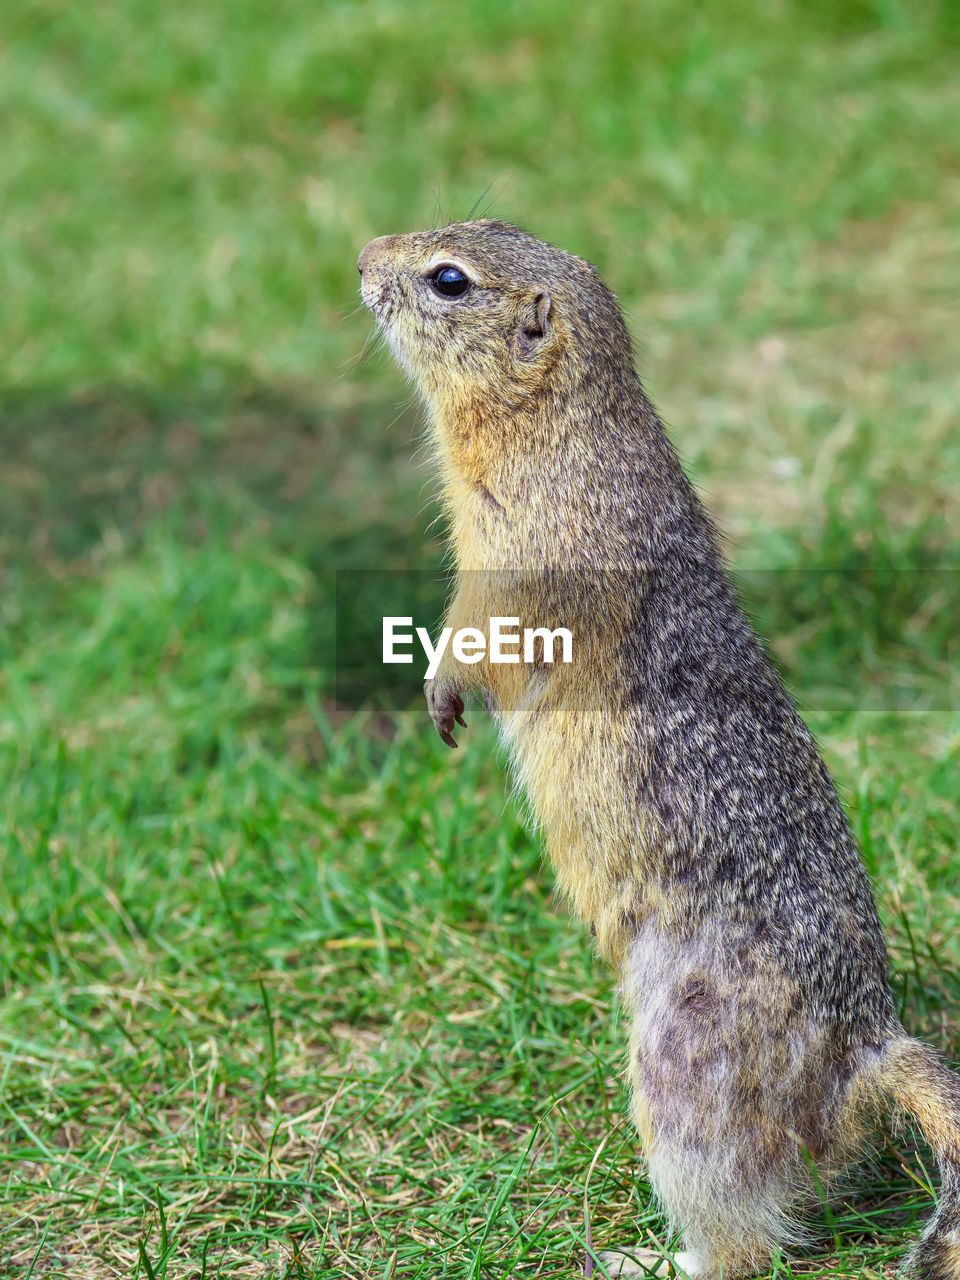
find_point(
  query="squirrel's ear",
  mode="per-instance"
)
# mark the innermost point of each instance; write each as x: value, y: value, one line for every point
x: 534, y: 324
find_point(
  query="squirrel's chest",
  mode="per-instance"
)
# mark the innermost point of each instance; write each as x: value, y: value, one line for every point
x: 482, y: 532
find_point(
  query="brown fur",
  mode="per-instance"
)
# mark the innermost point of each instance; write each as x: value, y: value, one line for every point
x: 687, y: 812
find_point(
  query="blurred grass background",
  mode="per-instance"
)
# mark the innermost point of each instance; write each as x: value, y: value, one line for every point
x: 284, y: 988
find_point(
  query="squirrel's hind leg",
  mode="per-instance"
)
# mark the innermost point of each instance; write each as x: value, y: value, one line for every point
x: 734, y: 1088
x: 704, y: 1194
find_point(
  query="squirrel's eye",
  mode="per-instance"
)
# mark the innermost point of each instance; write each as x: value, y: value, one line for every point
x: 450, y: 282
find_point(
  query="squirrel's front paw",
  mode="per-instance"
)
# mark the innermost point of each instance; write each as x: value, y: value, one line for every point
x: 446, y: 709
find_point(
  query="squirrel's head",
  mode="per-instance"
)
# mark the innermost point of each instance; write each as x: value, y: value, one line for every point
x: 484, y: 313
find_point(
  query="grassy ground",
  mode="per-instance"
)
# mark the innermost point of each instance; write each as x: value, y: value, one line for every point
x: 285, y: 991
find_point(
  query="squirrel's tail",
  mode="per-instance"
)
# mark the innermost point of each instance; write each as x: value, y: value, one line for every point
x: 929, y: 1092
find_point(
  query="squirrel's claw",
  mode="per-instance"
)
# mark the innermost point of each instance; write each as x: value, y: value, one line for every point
x: 446, y: 709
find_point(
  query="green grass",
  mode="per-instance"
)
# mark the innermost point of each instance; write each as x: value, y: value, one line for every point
x: 285, y: 989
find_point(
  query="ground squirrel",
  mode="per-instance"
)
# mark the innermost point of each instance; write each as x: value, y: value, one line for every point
x: 686, y: 809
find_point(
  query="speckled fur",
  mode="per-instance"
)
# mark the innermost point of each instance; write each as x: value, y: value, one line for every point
x: 686, y: 809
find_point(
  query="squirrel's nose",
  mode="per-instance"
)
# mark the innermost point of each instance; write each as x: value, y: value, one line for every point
x: 373, y: 250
